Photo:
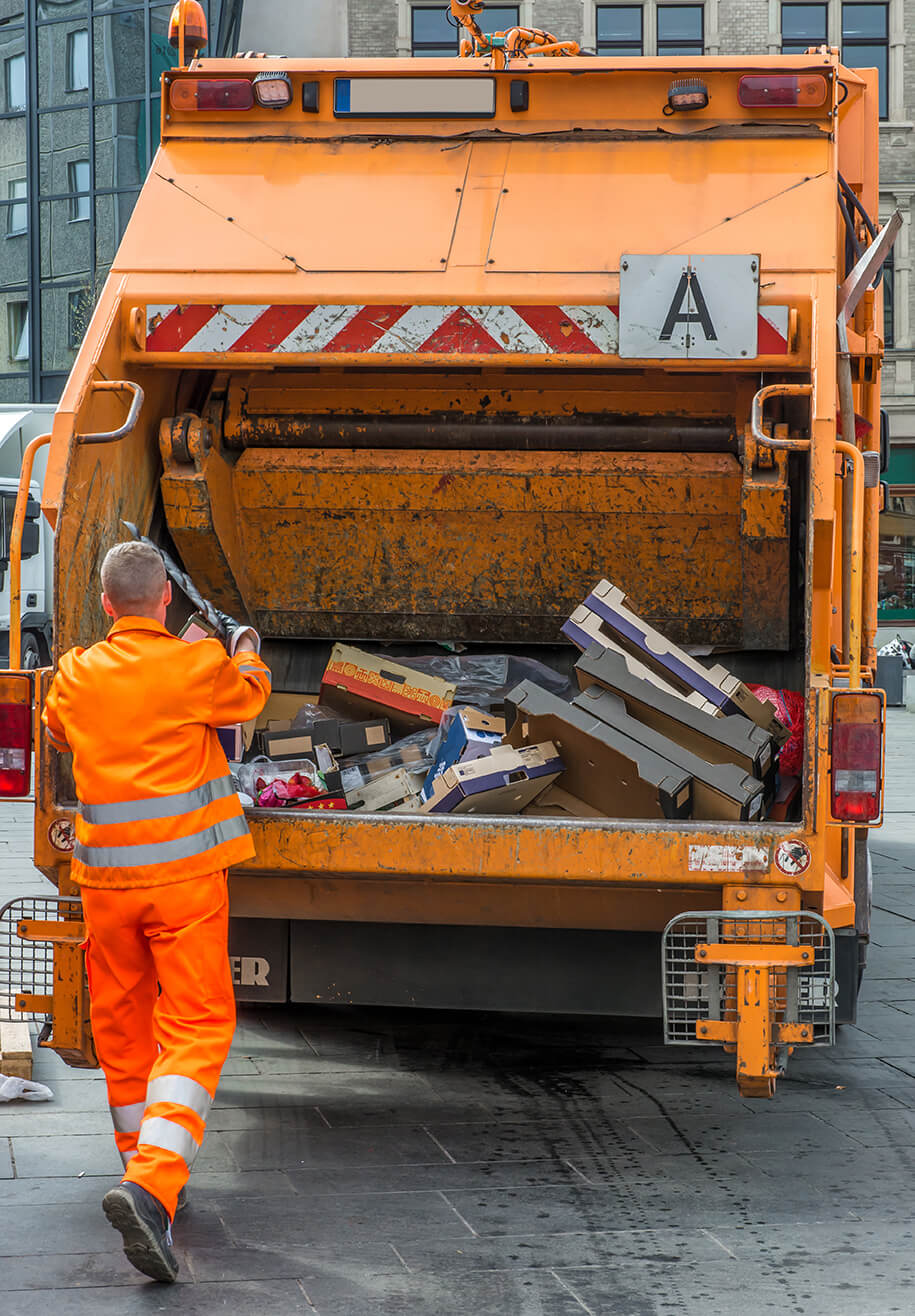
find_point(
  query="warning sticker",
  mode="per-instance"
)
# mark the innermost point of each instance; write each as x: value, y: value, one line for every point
x: 728, y: 859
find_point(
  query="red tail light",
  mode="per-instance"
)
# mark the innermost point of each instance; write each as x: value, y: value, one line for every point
x: 15, y: 735
x: 857, y: 757
x: 765, y: 91
x: 211, y: 94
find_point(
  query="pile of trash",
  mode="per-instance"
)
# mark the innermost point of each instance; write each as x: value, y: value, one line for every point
x: 651, y: 732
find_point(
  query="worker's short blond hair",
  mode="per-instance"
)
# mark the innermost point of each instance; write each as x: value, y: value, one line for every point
x: 133, y: 577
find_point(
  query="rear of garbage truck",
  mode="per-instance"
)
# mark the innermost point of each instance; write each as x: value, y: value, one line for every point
x: 410, y: 356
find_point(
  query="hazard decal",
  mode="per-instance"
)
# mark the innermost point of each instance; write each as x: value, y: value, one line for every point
x: 689, y: 307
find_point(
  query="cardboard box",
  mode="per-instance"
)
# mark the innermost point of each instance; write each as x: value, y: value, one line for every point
x: 585, y: 629
x: 344, y: 738
x: 501, y: 782
x: 617, y: 621
x: 557, y: 803
x: 361, y: 685
x: 381, y: 794
x: 277, y: 714
x: 604, y: 768
x: 728, y: 739
x: 470, y: 734
x: 722, y: 792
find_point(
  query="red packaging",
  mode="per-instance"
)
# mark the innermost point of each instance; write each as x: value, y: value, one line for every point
x: 789, y: 705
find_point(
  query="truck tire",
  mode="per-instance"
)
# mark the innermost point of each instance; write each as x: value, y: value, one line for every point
x: 30, y: 655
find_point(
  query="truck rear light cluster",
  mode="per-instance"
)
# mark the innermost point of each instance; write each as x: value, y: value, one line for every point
x: 271, y: 90
x: 211, y: 94
x: 15, y: 735
x: 774, y: 91
x: 857, y: 757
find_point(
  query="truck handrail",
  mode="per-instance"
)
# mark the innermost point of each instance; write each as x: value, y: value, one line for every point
x: 115, y: 386
x: 22, y: 498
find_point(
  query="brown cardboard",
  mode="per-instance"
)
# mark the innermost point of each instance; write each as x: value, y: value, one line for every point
x: 729, y: 739
x: 722, y: 792
x: 619, y: 622
x: 362, y: 685
x: 558, y: 803
x: 604, y: 768
x: 537, y: 767
x: 382, y: 794
x: 277, y: 714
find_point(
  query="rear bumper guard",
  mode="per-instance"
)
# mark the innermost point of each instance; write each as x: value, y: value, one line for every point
x: 758, y: 982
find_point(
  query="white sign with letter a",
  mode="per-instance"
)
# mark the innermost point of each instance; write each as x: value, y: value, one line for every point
x: 689, y: 307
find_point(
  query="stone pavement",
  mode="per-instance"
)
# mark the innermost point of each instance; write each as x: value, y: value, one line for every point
x: 386, y: 1162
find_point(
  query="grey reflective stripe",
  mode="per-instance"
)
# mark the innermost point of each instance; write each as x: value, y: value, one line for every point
x: 160, y: 1132
x: 127, y: 1119
x: 160, y: 852
x: 261, y: 671
x: 127, y: 1156
x: 180, y: 1090
x: 161, y: 806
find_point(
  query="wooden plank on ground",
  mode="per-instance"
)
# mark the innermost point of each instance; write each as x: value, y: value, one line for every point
x: 15, y: 1050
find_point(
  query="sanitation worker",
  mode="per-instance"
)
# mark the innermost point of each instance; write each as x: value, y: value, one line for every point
x: 159, y: 822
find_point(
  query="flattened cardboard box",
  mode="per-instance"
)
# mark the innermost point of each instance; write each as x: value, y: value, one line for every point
x: 722, y: 792
x: 728, y: 739
x: 380, y: 795
x: 277, y: 714
x: 501, y: 782
x: 604, y: 768
x: 616, y: 620
x: 470, y: 734
x: 361, y: 685
x: 557, y: 803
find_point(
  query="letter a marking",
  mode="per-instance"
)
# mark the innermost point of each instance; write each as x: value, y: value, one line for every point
x: 689, y: 282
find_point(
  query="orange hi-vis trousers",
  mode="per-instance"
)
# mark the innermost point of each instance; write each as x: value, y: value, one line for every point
x: 163, y: 1015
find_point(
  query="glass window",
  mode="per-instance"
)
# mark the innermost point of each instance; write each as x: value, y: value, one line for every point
x: 896, y: 566
x: 435, y: 32
x: 78, y: 60
x: 889, y: 300
x: 803, y: 26
x: 120, y: 144
x: 680, y: 30
x: 17, y: 215
x: 14, y: 255
x: 619, y: 29
x: 865, y: 44
x: 79, y: 313
x: 18, y: 325
x: 120, y: 60
x: 14, y: 69
x: 111, y: 215
x: 78, y: 180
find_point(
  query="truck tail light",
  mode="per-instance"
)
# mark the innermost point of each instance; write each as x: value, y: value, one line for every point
x: 764, y: 91
x: 273, y: 90
x: 211, y: 94
x: 15, y: 735
x: 857, y: 757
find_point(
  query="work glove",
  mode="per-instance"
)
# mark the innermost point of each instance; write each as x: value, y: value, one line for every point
x: 234, y: 630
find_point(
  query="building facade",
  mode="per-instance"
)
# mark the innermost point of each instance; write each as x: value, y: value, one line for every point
x: 79, y: 113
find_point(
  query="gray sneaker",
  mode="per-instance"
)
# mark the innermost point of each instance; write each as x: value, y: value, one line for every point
x: 146, y: 1229
x: 182, y: 1200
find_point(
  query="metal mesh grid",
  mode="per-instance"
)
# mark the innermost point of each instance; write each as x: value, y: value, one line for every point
x: 695, y: 992
x: 28, y: 966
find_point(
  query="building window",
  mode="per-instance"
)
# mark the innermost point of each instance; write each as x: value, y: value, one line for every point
x: 18, y: 320
x: 434, y: 32
x: 889, y: 299
x: 17, y: 215
x: 803, y: 26
x: 14, y: 68
x: 79, y: 311
x: 78, y: 176
x: 78, y: 60
x: 619, y: 30
x: 865, y: 43
x: 680, y: 30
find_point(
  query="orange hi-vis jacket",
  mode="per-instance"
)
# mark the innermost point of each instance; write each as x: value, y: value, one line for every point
x: 140, y: 710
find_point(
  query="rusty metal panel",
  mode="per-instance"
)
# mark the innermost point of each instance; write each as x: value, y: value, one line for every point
x: 484, y: 546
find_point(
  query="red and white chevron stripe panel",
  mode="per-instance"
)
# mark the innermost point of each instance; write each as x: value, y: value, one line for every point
x: 432, y: 330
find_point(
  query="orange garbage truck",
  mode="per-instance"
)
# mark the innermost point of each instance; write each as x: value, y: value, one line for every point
x: 408, y: 355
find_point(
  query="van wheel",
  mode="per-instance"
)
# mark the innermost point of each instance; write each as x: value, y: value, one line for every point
x: 30, y: 656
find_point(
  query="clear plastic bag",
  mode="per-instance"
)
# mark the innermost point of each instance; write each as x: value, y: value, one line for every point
x: 258, y: 777
x: 416, y: 753
x: 483, y: 680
